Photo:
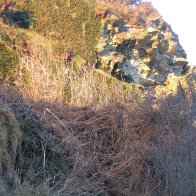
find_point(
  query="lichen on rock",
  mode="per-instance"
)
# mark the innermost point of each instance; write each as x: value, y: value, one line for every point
x: 146, y: 55
x: 174, y: 84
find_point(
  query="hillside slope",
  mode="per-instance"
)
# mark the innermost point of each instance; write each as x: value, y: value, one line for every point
x: 96, y: 98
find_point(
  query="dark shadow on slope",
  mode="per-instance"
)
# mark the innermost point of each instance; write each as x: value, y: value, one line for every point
x: 176, y: 148
x: 138, y: 150
x: 38, y: 158
x: 19, y: 18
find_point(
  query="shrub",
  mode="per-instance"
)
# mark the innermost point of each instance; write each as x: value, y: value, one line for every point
x: 136, y: 15
x: 142, y: 14
x: 21, y: 18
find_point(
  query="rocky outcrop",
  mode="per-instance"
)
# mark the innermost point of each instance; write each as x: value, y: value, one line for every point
x: 141, y: 55
x: 185, y: 84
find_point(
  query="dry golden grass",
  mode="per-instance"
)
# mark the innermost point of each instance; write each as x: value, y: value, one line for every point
x: 42, y: 76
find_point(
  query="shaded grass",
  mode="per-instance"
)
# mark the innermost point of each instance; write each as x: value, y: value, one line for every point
x: 135, y: 149
x: 39, y: 158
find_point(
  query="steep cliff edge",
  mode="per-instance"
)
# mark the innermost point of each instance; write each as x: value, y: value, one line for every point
x: 144, y: 55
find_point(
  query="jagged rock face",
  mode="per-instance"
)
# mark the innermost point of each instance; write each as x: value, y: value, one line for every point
x: 174, y: 85
x: 141, y: 55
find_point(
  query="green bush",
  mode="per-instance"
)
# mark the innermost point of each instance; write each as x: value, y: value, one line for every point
x: 21, y: 18
x: 73, y: 22
x: 8, y: 62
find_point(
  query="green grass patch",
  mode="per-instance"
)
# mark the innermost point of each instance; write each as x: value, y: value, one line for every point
x: 9, y: 60
x: 72, y: 22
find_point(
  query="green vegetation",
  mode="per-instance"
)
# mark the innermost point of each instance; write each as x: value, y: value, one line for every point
x: 9, y: 61
x: 73, y: 22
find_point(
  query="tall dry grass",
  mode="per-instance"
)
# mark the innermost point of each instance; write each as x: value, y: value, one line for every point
x: 116, y: 149
x: 43, y: 76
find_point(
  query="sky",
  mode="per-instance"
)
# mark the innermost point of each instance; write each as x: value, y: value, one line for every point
x: 181, y: 15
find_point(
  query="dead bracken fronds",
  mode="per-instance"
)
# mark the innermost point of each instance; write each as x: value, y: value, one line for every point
x: 118, y: 149
x: 125, y: 150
